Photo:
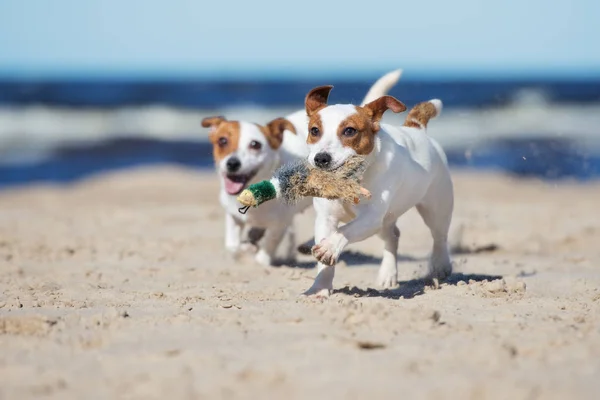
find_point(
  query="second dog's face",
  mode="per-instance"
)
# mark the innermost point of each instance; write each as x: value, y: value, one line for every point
x: 339, y: 131
x: 242, y: 149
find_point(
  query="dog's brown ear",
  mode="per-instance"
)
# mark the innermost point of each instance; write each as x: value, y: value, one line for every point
x: 274, y: 131
x: 213, y: 122
x: 376, y: 108
x: 317, y: 99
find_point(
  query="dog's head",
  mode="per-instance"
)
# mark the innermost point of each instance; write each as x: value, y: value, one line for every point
x: 242, y: 149
x: 339, y: 131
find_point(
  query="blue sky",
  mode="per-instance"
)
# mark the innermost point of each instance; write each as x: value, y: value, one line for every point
x: 170, y: 38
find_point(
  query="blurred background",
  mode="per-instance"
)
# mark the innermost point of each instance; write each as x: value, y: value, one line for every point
x: 87, y: 87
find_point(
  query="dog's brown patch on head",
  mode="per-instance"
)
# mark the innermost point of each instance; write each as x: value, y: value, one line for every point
x: 225, y: 137
x: 316, y: 99
x: 358, y: 130
x: 315, y: 129
x: 419, y: 115
x: 274, y: 131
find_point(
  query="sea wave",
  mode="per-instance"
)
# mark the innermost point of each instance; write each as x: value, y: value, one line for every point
x: 25, y: 131
x: 530, y: 136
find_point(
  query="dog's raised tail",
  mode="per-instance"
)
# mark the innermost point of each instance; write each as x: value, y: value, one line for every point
x: 419, y: 115
x: 382, y: 86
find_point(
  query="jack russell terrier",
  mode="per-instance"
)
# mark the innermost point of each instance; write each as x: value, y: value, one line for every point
x: 246, y: 153
x: 406, y: 168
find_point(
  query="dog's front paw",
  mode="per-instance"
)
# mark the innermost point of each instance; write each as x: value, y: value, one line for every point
x: 440, y: 272
x: 319, y: 293
x: 319, y: 290
x: 387, y: 278
x: 233, y: 252
x: 323, y: 284
x: 326, y: 252
x: 248, y: 248
x: 263, y: 258
x: 440, y: 265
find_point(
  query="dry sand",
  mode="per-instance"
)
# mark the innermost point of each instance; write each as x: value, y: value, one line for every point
x: 117, y: 287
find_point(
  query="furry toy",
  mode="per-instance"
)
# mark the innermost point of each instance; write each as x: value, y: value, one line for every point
x: 293, y: 181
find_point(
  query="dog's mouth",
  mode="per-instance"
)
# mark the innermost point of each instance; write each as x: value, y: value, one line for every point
x: 332, y: 167
x: 234, y: 184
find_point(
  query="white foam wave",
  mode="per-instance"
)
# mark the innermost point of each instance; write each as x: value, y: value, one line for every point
x: 38, y: 130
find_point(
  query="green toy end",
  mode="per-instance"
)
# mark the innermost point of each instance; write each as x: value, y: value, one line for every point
x: 257, y: 193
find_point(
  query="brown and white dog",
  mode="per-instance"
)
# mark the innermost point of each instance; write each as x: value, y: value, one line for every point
x: 406, y: 169
x: 246, y: 153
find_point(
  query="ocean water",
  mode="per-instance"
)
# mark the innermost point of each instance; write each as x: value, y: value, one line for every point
x: 218, y: 94
x: 63, y: 131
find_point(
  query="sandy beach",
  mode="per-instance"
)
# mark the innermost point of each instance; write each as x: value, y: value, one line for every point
x: 118, y: 287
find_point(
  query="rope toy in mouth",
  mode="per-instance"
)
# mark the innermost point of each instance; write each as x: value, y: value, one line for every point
x: 299, y: 179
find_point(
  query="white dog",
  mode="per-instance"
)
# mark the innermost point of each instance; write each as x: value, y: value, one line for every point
x: 246, y: 153
x: 406, y: 169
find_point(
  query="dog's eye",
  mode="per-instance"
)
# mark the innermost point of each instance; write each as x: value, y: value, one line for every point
x: 254, y: 145
x: 222, y: 141
x: 314, y: 131
x: 349, y: 131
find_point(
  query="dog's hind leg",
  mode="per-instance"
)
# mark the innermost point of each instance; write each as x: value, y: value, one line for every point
x: 273, y: 237
x: 436, y: 210
x: 388, y: 271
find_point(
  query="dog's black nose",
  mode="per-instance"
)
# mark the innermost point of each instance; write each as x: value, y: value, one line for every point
x: 233, y: 164
x: 322, y: 160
